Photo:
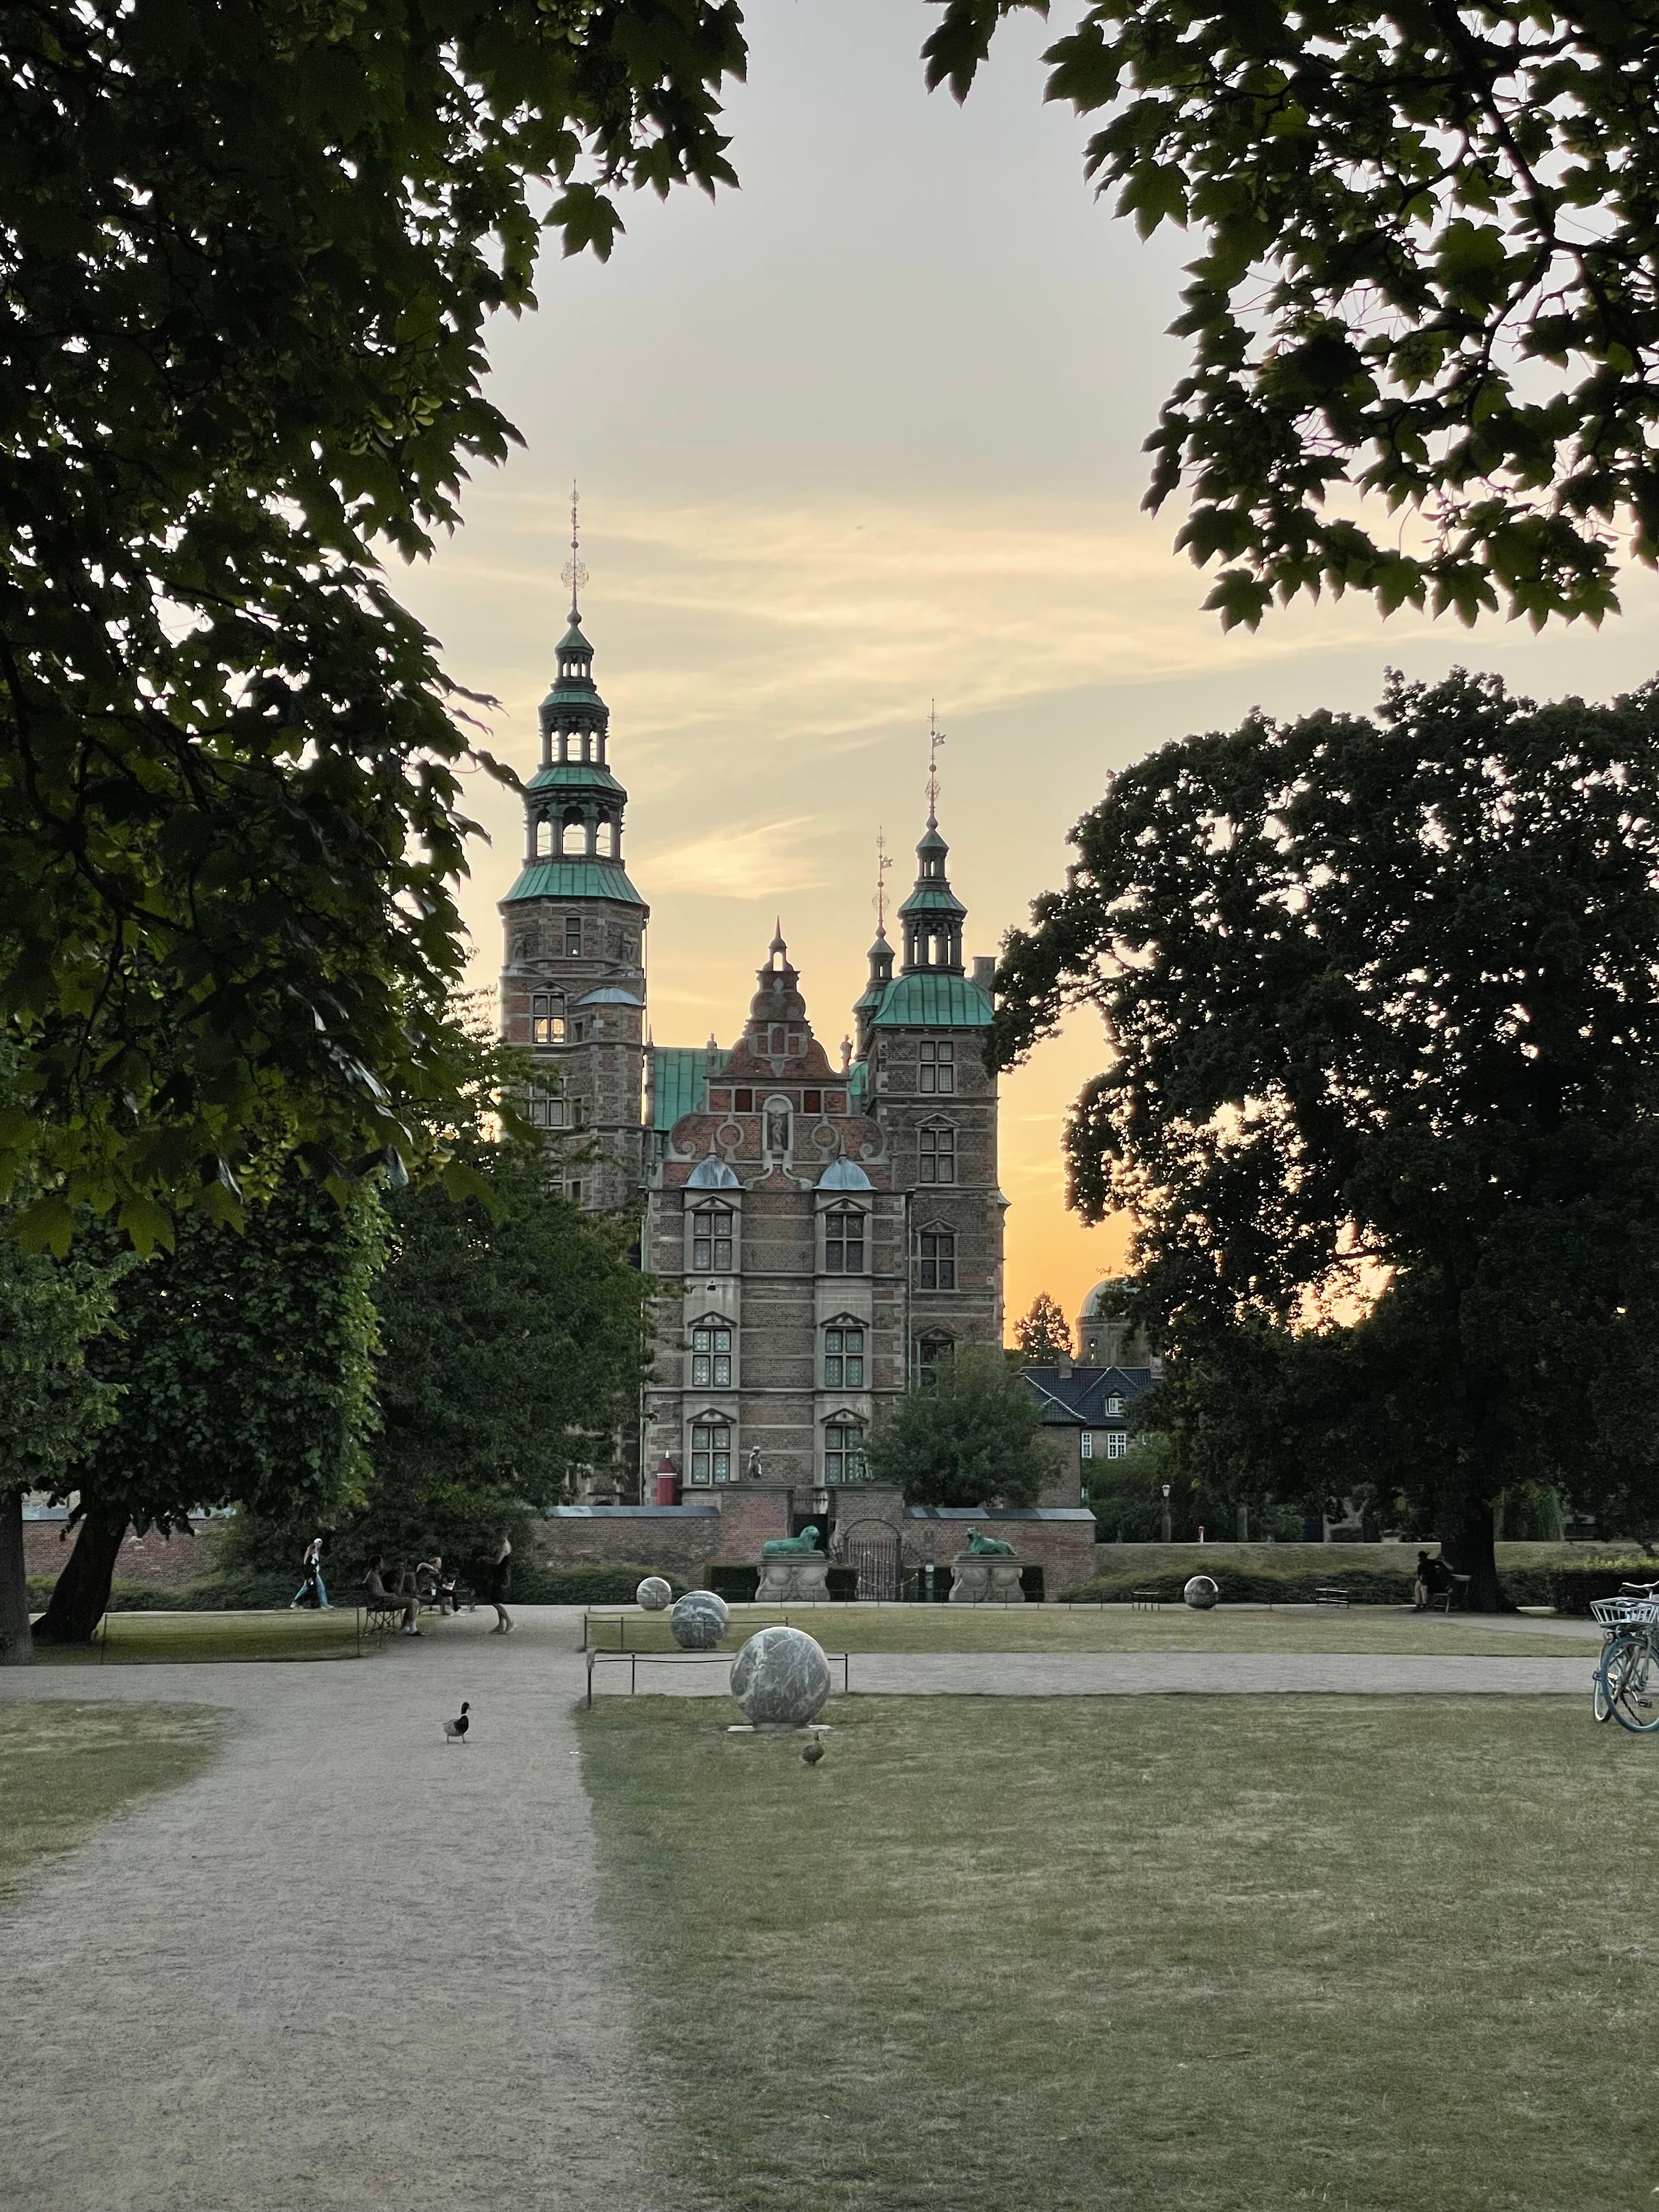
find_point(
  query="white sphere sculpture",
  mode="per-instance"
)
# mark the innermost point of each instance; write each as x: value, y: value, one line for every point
x: 652, y: 1594
x: 699, y: 1621
x: 781, y: 1678
x: 1201, y: 1592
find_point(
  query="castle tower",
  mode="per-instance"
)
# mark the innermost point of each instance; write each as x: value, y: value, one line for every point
x: 573, y: 982
x: 934, y: 1097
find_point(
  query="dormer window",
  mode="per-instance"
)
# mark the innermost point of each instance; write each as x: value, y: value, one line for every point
x: 1114, y: 1405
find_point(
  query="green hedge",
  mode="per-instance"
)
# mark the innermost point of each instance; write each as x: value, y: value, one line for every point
x: 598, y: 1584
x: 735, y: 1580
x: 842, y: 1585
x: 1365, y: 1586
x: 1572, y: 1589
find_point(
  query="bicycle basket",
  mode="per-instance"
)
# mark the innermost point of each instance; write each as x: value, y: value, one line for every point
x: 1624, y: 1612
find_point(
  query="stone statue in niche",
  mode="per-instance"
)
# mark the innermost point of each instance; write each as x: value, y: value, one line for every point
x: 756, y: 1472
x: 777, y: 1128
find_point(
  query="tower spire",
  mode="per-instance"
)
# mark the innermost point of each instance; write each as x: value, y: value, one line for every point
x: 935, y: 739
x: 574, y: 572
x: 883, y: 861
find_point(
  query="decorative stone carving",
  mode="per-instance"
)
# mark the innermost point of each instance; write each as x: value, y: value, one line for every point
x: 986, y: 1578
x: 1201, y: 1592
x: 781, y: 1678
x: 652, y: 1594
x: 699, y: 1621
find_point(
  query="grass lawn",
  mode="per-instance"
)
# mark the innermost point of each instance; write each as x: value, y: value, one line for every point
x: 1079, y: 1628
x: 1234, y: 1952
x: 65, y: 1767
x: 149, y: 1639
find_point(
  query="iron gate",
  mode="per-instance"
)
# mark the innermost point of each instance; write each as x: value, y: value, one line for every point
x: 873, y: 1546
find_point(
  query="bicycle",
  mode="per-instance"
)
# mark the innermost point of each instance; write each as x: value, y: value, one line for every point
x: 1626, y: 1684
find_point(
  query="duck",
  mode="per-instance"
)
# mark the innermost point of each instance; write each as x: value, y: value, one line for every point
x: 455, y: 1730
x: 814, y: 1752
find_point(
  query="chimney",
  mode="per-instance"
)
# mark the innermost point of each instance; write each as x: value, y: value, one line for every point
x: 1063, y: 1365
x: 985, y: 968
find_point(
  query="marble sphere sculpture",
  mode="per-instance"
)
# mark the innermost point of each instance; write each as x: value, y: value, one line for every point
x: 653, y: 1594
x: 781, y: 1678
x: 1201, y: 1592
x: 699, y: 1621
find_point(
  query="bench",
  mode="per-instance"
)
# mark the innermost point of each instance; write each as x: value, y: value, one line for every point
x: 382, y: 1615
x: 1330, y: 1594
x: 1454, y: 1598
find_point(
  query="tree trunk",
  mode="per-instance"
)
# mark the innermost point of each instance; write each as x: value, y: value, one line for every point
x: 81, y: 1593
x: 1470, y: 1549
x: 16, y: 1644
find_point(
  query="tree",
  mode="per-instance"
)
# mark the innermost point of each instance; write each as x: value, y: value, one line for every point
x: 1428, y: 272
x: 249, y: 253
x: 51, y: 1405
x: 245, y: 1370
x: 512, y: 1353
x: 972, y: 1437
x: 1384, y: 999
x: 1045, y: 1334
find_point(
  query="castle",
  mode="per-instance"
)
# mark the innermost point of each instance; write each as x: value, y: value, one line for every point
x: 825, y: 1232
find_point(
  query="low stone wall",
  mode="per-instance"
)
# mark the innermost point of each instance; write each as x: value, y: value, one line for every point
x: 1059, y: 1540
x: 679, y: 1540
x: 160, y: 1562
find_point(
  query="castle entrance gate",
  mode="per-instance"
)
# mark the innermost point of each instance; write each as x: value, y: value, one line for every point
x: 873, y: 1546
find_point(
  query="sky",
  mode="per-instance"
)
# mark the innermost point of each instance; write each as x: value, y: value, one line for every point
x: 862, y: 436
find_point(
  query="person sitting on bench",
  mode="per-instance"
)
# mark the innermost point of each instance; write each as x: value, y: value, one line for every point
x: 379, y: 1595
x: 436, y: 1588
x: 1434, y: 1579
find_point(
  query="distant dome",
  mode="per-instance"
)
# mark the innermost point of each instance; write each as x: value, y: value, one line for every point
x: 844, y: 1175
x: 1105, y: 1301
x: 711, y: 1174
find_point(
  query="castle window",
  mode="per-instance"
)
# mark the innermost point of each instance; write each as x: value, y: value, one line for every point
x: 711, y: 1240
x: 711, y: 1357
x: 711, y: 1453
x: 546, y: 1111
x: 544, y: 844
x: 937, y: 1071
x: 572, y: 1191
x: 936, y: 1260
x: 573, y: 836
x: 547, y: 1021
x: 929, y: 1354
x: 743, y: 1102
x: 843, y: 1358
x: 843, y: 1241
x: 573, y: 937
x: 812, y: 1102
x: 938, y: 1162
x: 843, y: 1452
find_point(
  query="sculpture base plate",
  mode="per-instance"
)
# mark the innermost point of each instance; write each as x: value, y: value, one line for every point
x: 778, y: 1728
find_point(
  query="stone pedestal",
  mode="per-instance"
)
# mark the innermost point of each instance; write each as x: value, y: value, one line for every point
x: 985, y: 1578
x: 799, y: 1576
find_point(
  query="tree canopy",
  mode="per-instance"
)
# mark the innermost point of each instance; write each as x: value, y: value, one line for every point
x: 972, y: 1437
x: 1043, y: 1335
x: 1429, y: 270
x: 1382, y: 997
x: 247, y: 254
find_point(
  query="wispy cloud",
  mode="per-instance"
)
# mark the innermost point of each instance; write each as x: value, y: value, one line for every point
x: 747, y: 863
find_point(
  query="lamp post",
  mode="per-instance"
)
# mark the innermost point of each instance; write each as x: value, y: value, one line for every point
x: 1166, y: 1512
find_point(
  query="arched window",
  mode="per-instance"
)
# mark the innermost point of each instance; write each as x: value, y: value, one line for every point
x: 938, y: 1160
x: 928, y: 1354
x: 573, y: 835
x: 710, y: 1458
x: 547, y: 1021
x: 711, y: 1240
x: 843, y: 1241
x: 936, y: 1260
x: 843, y: 1356
x: 843, y: 1452
x: 711, y: 1354
x: 937, y: 1071
x: 543, y: 845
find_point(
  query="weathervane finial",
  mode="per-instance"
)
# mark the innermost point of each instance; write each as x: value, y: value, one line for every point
x: 935, y: 739
x: 574, y: 572
x: 883, y: 861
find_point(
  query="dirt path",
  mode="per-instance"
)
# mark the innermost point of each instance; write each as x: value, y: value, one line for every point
x: 349, y: 1966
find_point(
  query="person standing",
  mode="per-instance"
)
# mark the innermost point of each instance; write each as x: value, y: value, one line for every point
x: 312, y: 1591
x: 500, y: 1583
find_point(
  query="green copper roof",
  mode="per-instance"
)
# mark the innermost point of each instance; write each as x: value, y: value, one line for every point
x: 583, y: 878
x: 679, y: 1082
x: 932, y: 898
x: 934, y: 1002
x: 856, y: 1084
x: 575, y: 776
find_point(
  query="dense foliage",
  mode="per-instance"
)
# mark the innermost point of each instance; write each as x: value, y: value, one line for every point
x: 1429, y: 270
x: 245, y: 1370
x: 1043, y: 1336
x: 247, y: 254
x: 1383, y: 1000
x: 972, y: 1437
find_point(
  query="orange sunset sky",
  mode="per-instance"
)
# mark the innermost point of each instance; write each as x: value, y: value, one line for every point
x: 864, y: 435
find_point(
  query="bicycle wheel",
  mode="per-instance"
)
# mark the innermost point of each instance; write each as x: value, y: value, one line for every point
x: 1629, y: 1682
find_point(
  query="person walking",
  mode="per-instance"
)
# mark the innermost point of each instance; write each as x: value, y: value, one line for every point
x: 500, y: 1583
x: 312, y: 1591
